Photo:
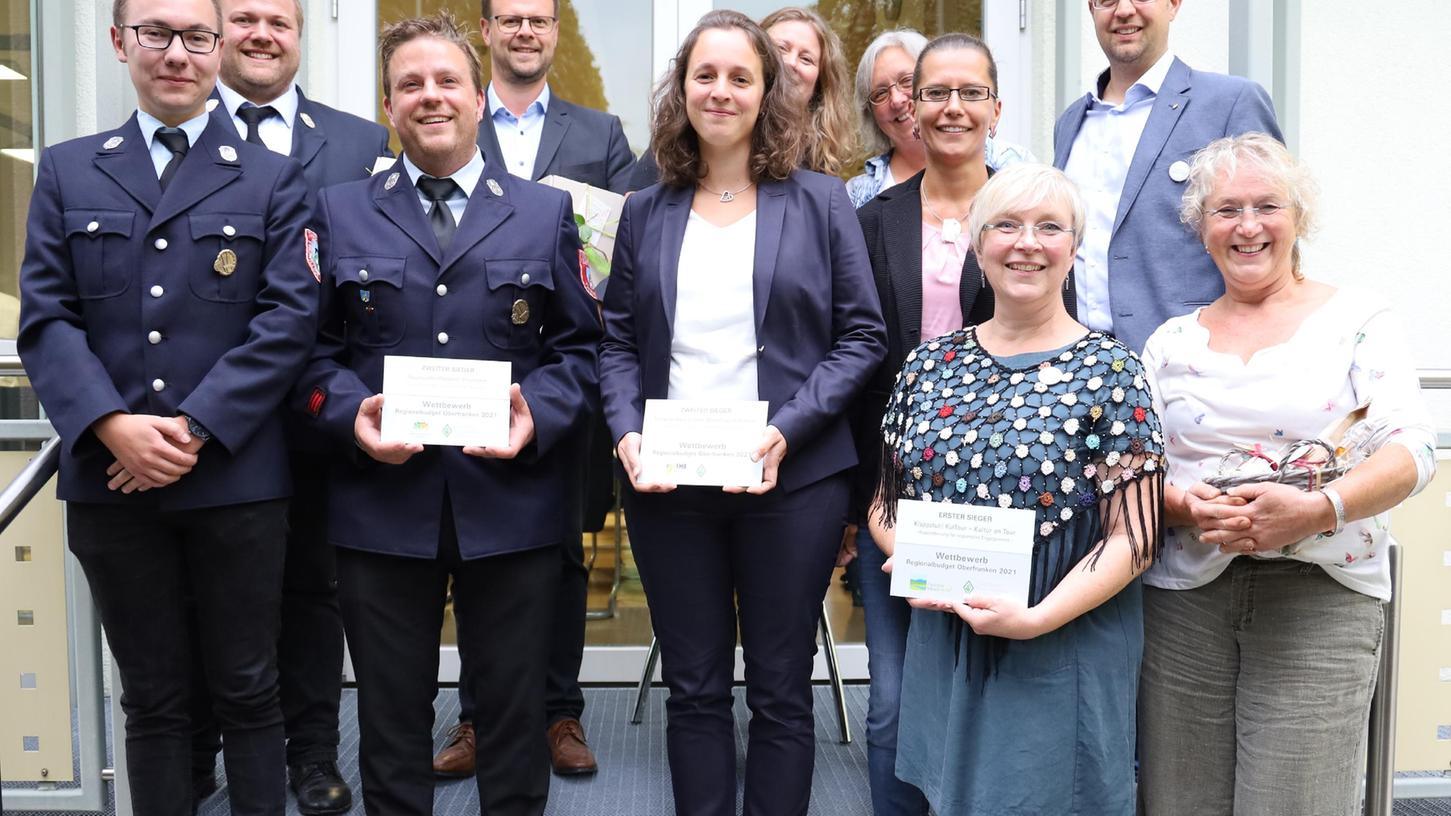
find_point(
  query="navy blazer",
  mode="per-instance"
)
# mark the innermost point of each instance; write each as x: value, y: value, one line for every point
x: 335, y: 148
x: 388, y: 290
x: 819, y: 328
x: 1157, y: 267
x: 123, y: 309
x: 578, y: 143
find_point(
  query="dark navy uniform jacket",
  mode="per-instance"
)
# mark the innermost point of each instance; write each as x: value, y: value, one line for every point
x: 335, y: 148
x: 387, y: 289
x: 122, y: 307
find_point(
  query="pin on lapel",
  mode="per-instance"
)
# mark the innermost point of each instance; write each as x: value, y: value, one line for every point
x: 227, y: 152
x: 1173, y: 106
x: 307, y: 120
x: 391, y: 182
x: 113, y: 142
x: 494, y: 187
x: 212, y: 105
x: 1179, y: 171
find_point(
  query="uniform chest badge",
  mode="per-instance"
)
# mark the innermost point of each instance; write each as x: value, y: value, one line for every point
x: 496, y: 190
x: 391, y: 182
x: 307, y: 120
x: 227, y: 152
x: 113, y: 142
x: 519, y: 314
x: 226, y: 263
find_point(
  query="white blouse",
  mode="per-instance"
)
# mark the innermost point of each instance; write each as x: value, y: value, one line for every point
x: 1346, y: 352
x: 713, y: 345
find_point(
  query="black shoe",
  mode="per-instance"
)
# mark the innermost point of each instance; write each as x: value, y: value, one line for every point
x: 320, y: 788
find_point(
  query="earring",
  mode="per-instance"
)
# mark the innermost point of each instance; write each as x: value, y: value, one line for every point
x: 1067, y: 279
x: 981, y: 279
x: 992, y: 132
x: 916, y: 133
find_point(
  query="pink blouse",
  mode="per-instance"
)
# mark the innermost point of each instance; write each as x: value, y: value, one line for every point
x: 941, y: 278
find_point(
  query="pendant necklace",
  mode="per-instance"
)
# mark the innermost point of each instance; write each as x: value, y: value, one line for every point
x: 951, y: 227
x: 726, y: 196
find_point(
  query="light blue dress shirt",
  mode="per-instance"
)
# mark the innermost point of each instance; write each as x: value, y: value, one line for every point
x: 160, y: 155
x: 1099, y: 163
x: 276, y: 131
x: 519, y: 135
x: 466, y: 177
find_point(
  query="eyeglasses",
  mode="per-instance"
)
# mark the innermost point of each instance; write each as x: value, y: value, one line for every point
x: 1236, y: 213
x: 937, y: 94
x: 511, y: 23
x: 158, y: 38
x: 879, y: 96
x: 1105, y: 5
x: 1047, y: 231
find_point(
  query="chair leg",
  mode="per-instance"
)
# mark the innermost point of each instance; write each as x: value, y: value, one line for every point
x: 612, y: 605
x: 642, y: 694
x: 833, y: 671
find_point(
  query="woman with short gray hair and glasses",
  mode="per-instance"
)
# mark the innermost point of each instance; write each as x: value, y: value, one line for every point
x: 1263, y: 618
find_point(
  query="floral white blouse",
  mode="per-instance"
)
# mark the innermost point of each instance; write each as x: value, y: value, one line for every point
x: 1348, y: 351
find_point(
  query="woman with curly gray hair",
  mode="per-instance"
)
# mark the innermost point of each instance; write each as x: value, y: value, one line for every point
x: 1262, y: 617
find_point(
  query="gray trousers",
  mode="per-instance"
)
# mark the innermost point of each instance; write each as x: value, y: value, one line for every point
x: 1255, y: 692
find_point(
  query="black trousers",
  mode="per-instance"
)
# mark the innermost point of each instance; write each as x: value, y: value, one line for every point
x: 393, y: 612
x: 310, y: 648
x: 141, y: 565
x: 710, y: 562
x: 563, y: 698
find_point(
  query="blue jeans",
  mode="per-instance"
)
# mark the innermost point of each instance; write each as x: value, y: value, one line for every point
x: 887, y: 620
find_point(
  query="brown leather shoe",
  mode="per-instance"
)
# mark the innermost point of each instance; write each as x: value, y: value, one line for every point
x: 568, y: 750
x: 456, y: 760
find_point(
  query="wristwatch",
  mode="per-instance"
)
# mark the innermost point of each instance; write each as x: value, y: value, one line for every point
x: 197, y: 429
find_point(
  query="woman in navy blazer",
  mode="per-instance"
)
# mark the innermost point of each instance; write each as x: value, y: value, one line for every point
x: 739, y: 277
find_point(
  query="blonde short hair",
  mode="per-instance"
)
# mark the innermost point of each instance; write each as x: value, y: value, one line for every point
x: 1020, y: 187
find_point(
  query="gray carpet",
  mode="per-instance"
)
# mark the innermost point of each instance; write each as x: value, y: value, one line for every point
x: 634, y: 779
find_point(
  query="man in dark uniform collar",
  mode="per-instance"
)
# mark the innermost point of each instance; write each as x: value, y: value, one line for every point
x: 168, y: 302
x: 446, y: 255
x: 257, y: 98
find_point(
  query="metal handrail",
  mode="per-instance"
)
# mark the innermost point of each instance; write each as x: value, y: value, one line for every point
x: 29, y: 481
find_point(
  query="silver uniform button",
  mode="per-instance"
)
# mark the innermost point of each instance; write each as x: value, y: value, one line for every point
x: 443, y: 338
x: 524, y: 279
x: 229, y: 230
x: 160, y: 244
x: 93, y: 226
x: 362, y: 274
x: 441, y: 290
x: 158, y: 385
x: 157, y: 291
x: 153, y: 338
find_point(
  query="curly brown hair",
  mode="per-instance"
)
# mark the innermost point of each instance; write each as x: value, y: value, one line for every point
x: 777, y: 139
x: 830, y: 135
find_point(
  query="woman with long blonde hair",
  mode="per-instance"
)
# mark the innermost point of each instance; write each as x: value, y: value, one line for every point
x: 814, y: 54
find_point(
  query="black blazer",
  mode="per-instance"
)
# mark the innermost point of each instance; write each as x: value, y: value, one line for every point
x: 579, y: 143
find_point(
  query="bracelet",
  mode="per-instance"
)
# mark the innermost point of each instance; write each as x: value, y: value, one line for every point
x: 1339, y: 504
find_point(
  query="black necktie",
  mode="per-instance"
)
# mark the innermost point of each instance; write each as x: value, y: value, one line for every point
x: 174, y: 139
x: 254, y: 116
x: 440, y: 217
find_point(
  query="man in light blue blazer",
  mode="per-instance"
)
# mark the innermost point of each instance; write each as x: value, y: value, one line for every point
x: 1128, y: 145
